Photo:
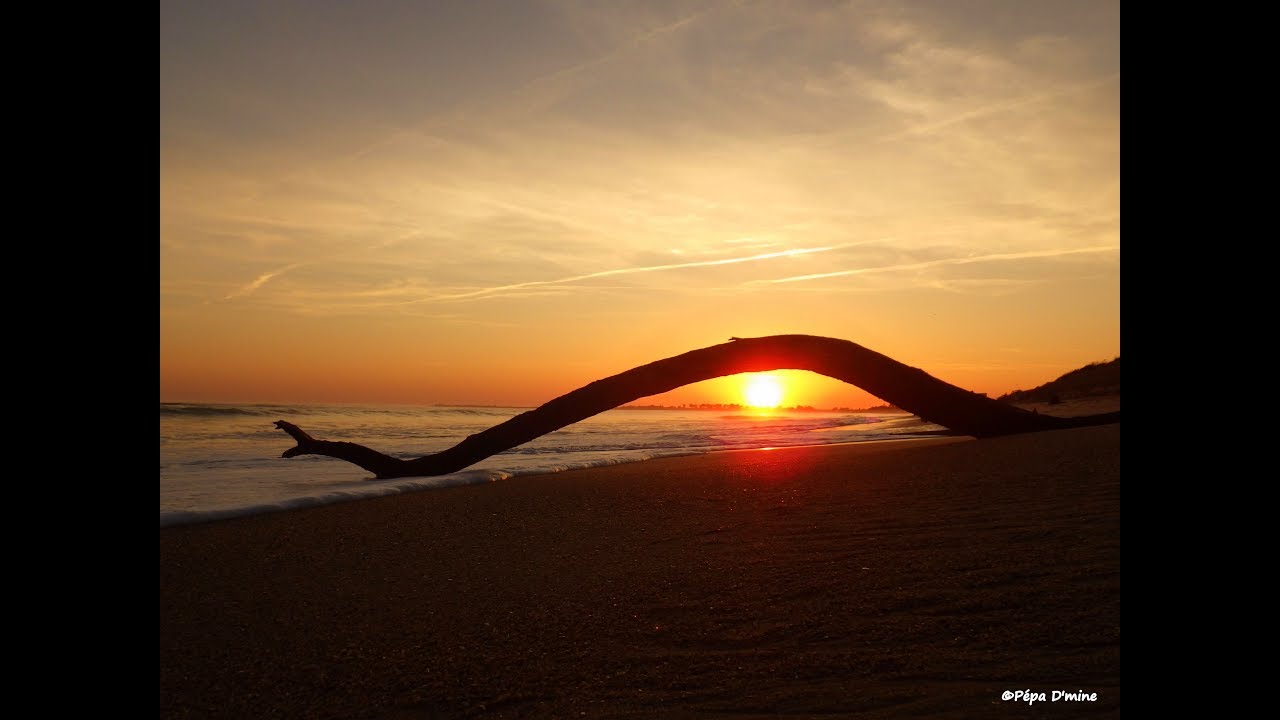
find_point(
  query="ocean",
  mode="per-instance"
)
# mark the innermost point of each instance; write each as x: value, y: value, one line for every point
x: 220, y: 460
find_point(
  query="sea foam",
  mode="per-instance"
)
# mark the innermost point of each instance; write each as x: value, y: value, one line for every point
x: 222, y: 461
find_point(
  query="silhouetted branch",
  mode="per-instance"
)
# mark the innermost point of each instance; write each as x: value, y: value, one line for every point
x: 906, y: 387
x: 382, y: 466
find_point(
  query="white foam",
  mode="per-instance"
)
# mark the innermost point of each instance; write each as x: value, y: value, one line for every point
x: 224, y: 461
x: 383, y: 488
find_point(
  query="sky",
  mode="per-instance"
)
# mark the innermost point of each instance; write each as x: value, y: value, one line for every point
x: 483, y: 202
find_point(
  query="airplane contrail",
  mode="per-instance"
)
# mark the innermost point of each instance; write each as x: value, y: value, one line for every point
x: 945, y: 261
x: 261, y: 280
x: 627, y: 271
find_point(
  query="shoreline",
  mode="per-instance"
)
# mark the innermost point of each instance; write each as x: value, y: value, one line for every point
x: 403, y: 486
x: 370, y: 488
x: 879, y: 581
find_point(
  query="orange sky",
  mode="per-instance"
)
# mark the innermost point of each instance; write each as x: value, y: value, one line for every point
x: 497, y: 202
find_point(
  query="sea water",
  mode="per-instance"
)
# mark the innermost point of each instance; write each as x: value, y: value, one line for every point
x: 221, y: 460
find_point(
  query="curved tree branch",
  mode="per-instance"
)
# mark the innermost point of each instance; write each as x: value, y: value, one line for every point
x: 906, y: 387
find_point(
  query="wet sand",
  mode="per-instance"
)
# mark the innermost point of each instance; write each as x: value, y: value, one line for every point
x: 917, y: 579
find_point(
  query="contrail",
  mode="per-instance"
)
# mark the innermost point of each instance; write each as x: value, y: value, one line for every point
x: 931, y: 127
x: 531, y: 86
x: 946, y: 261
x: 261, y: 280
x: 627, y: 271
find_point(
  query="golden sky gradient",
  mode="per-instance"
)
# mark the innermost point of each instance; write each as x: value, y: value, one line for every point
x: 498, y: 202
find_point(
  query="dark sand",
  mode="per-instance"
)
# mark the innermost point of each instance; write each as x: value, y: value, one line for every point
x: 870, y: 581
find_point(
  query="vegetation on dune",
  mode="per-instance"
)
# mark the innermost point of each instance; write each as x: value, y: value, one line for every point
x: 1092, y: 380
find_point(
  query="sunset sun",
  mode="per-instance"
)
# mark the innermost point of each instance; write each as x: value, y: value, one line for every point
x: 763, y: 391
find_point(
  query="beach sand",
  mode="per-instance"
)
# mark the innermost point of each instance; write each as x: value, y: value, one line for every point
x: 917, y: 579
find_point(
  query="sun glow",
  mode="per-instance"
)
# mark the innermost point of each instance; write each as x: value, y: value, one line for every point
x: 763, y: 391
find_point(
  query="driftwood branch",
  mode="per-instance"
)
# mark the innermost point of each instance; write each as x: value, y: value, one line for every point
x: 906, y: 387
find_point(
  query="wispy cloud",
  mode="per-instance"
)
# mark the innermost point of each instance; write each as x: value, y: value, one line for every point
x: 537, y: 92
x: 994, y: 257
x: 998, y: 107
x: 572, y: 162
x: 261, y: 280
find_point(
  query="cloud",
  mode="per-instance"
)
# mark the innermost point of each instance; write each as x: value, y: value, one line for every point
x: 994, y: 257
x: 934, y: 126
x: 655, y: 135
x: 261, y: 280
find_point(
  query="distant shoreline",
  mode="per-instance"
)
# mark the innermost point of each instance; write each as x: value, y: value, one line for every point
x: 1066, y: 407
x: 722, y: 407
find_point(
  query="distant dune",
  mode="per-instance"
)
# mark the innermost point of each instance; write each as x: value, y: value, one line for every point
x: 1093, y: 380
